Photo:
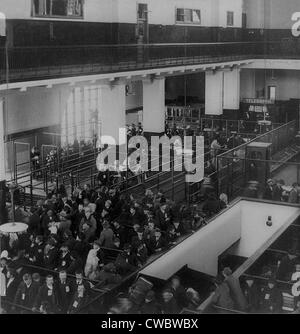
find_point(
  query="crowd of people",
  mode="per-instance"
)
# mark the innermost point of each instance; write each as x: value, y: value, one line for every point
x: 74, y: 234
x: 144, y: 298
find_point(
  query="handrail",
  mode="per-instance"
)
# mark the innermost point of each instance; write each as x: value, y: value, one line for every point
x: 228, y: 310
x: 138, y: 45
x: 223, y: 155
x: 266, y: 279
x: 3, y: 301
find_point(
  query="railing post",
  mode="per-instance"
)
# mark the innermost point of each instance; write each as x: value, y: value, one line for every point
x: 46, y: 182
x: 172, y: 171
x: 91, y: 175
x: 31, y: 190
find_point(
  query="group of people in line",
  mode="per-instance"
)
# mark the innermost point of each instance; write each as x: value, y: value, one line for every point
x: 260, y: 295
x: 99, y: 234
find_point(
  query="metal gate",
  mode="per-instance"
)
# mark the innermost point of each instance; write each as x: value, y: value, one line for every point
x: 22, y: 163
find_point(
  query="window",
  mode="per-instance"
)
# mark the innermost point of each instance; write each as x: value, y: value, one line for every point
x: 64, y: 8
x: 80, y: 117
x: 272, y: 93
x: 184, y: 15
x: 230, y: 19
x: 244, y: 20
x: 142, y: 11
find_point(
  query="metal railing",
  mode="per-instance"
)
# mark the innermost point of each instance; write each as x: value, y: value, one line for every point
x: 42, y: 62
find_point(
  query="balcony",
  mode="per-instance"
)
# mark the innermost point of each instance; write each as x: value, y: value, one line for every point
x: 38, y: 63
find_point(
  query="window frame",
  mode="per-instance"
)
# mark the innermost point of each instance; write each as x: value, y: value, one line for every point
x: 185, y: 22
x: 70, y: 17
x: 229, y: 24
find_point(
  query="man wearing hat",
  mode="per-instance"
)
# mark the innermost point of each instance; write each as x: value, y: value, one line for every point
x: 76, y: 263
x: 287, y: 265
x: 51, y: 256
x: 269, y: 191
x: 126, y: 261
x: 141, y: 253
x: 119, y: 232
x: 107, y: 236
x: 271, y: 297
x: 138, y: 238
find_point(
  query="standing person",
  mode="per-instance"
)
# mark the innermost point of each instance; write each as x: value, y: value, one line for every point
x: 107, y: 236
x: 169, y: 304
x: 38, y: 251
x: 294, y: 194
x: 287, y: 265
x: 88, y: 225
x: 65, y: 291
x: 64, y: 259
x: 235, y: 289
x: 126, y: 261
x: 91, y: 266
x: 47, y: 293
x: 271, y: 298
x: 251, y: 293
x: 51, y: 255
x: 269, y: 191
x: 178, y: 291
x: 12, y: 284
x: 26, y: 293
x: 79, y: 300
x: 221, y: 297
x: 214, y: 149
x: 76, y: 263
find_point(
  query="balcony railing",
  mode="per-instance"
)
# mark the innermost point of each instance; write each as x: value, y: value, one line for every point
x: 32, y: 63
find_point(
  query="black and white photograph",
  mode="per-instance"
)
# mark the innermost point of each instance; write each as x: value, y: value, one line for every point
x: 149, y: 160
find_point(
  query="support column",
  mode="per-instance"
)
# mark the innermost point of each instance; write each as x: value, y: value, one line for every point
x: 3, y: 216
x: 214, y: 92
x: 232, y: 89
x: 2, y: 146
x: 154, y: 106
x: 112, y: 111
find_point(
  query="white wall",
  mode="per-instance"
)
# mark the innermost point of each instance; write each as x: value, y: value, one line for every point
x: 36, y: 108
x: 125, y: 11
x: 272, y: 14
x: 255, y: 233
x: 287, y: 83
x: 135, y: 100
x: 16, y: 9
x: 201, y: 250
x: 234, y: 6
